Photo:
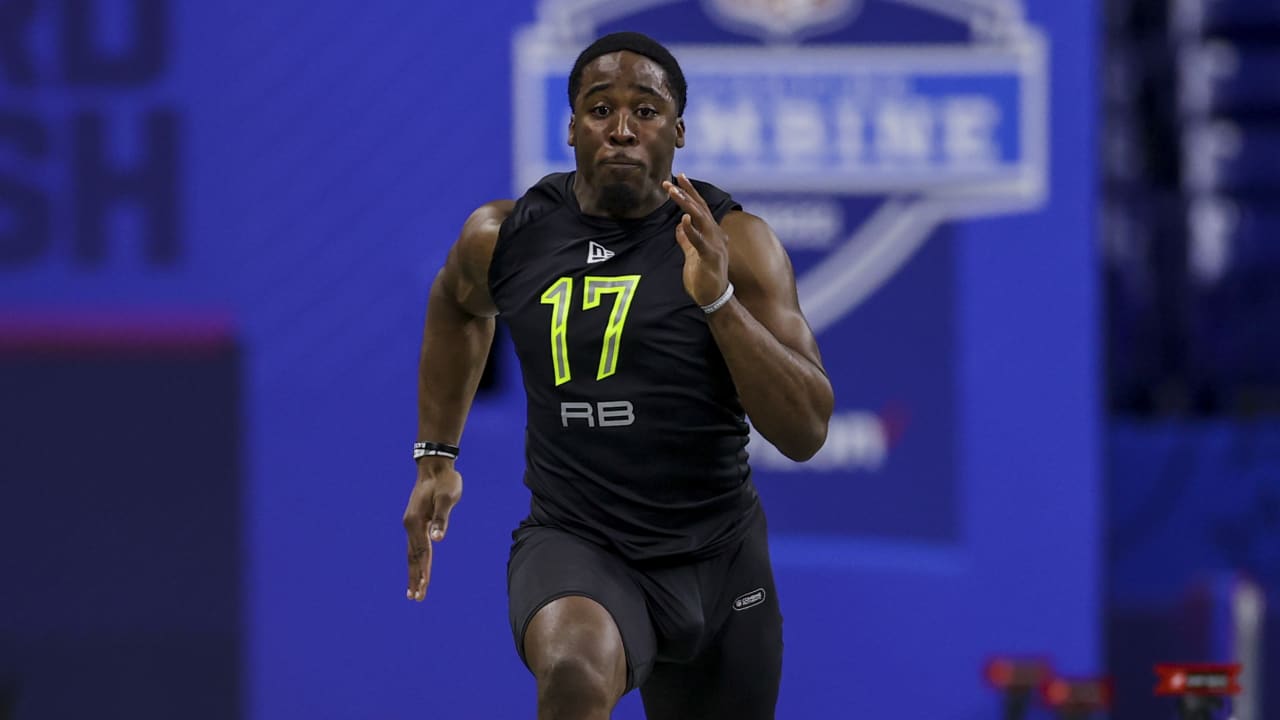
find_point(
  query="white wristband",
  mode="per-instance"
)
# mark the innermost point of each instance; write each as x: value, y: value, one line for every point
x: 720, y: 301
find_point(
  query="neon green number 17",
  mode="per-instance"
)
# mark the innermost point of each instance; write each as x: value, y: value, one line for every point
x: 559, y: 296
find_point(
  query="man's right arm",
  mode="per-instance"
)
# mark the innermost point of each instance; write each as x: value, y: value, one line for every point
x: 459, y: 328
x: 455, y: 345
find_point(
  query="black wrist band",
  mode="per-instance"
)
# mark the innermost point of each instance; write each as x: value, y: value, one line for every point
x: 430, y: 449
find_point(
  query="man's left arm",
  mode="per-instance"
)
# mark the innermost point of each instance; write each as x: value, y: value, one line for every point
x: 761, y: 332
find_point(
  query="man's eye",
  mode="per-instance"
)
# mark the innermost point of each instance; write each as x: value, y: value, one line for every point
x: 647, y: 112
x: 600, y: 111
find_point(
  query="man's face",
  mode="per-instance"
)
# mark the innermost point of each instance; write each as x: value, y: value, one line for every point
x: 625, y: 128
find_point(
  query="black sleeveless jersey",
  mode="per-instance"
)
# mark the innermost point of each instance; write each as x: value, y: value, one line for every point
x: 635, y: 438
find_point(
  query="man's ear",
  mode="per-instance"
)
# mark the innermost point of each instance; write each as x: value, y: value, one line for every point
x: 572, y: 140
x: 679, y: 132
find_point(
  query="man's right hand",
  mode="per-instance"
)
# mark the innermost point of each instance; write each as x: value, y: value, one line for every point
x: 426, y: 518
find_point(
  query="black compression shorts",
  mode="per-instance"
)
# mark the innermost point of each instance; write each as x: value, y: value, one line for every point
x: 702, y: 639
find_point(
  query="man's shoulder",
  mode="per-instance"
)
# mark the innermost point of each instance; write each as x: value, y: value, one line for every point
x: 486, y: 220
x: 494, y: 210
x: 748, y: 231
x: 467, y: 266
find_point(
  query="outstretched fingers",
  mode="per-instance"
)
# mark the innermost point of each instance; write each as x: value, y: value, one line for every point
x: 419, y: 557
x: 685, y: 234
x: 687, y: 185
x: 697, y: 221
x: 687, y: 197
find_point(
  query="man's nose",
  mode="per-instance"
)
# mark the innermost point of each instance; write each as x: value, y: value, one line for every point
x: 621, y: 133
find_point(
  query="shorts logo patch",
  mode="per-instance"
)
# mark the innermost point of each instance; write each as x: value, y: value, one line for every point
x: 749, y: 600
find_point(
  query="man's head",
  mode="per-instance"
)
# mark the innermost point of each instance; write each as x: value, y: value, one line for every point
x: 639, y: 44
x: 627, y: 94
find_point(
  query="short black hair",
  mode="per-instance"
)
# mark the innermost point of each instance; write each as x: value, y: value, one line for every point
x: 640, y: 44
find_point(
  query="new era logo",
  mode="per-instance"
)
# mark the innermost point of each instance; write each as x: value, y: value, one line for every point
x: 597, y: 252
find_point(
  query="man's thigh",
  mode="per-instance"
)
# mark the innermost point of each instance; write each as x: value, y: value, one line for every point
x: 737, y: 675
x: 547, y: 564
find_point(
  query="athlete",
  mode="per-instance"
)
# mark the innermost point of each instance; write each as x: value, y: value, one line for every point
x: 651, y: 316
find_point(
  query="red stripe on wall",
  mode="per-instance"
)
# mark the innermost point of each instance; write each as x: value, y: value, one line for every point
x: 110, y: 331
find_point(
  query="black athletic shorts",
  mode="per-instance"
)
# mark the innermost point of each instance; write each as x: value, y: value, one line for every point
x: 703, y: 640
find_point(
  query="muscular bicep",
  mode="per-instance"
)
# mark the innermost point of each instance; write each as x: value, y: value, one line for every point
x: 465, y: 275
x: 764, y: 282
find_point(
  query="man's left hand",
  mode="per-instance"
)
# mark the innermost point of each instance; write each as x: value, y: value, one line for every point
x: 704, y: 242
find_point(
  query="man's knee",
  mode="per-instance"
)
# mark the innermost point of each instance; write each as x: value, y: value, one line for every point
x: 575, y: 651
x: 576, y: 682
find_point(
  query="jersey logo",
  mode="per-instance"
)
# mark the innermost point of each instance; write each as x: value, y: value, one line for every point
x: 749, y: 600
x: 597, y: 252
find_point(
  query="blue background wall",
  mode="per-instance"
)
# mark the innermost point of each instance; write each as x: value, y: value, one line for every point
x: 322, y: 159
